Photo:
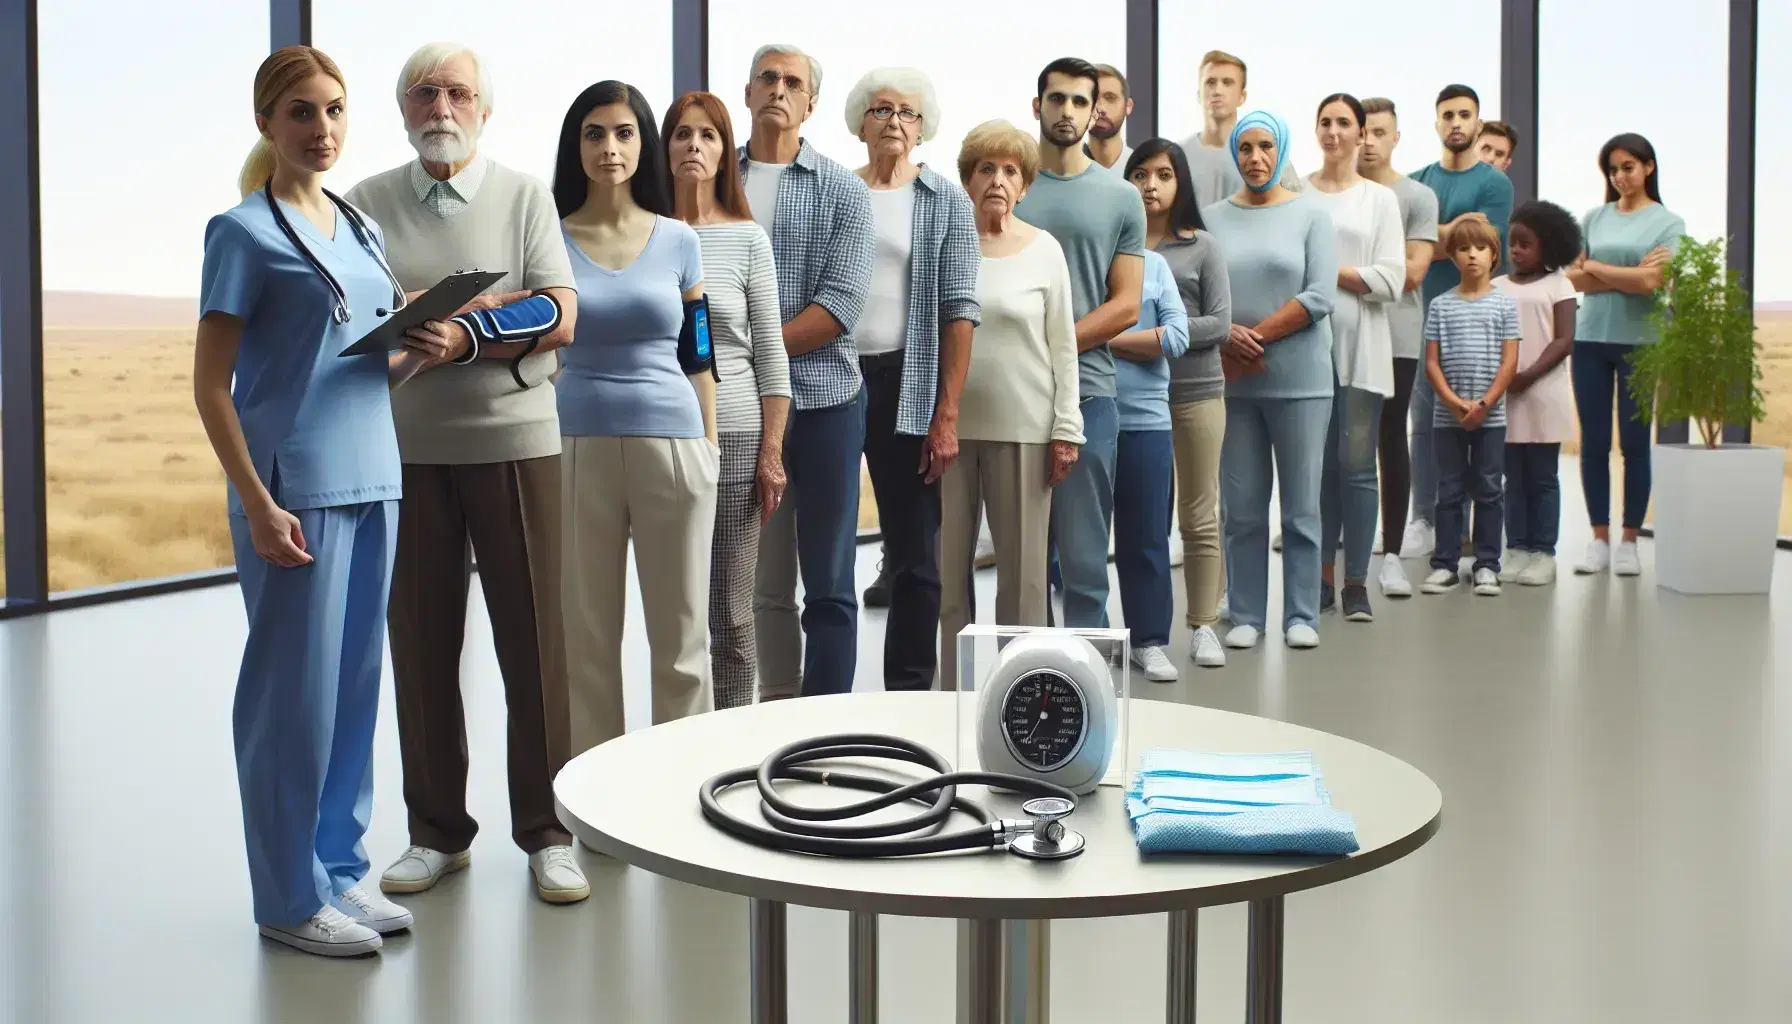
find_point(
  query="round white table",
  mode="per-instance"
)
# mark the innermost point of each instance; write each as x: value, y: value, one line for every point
x: 635, y: 799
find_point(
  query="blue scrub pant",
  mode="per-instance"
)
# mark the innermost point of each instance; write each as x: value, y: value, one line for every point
x: 306, y: 701
x: 1285, y: 436
x: 1083, y: 515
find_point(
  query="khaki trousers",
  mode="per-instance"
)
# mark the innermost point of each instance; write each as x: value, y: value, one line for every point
x: 1198, y: 430
x: 1007, y: 480
x: 508, y: 514
x: 661, y: 493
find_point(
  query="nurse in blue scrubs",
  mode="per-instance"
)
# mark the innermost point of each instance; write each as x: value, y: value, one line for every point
x: 293, y: 276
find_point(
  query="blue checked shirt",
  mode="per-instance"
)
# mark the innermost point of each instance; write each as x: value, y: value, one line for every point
x: 823, y: 240
x: 943, y: 263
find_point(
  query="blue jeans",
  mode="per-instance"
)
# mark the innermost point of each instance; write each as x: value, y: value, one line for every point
x: 1143, y: 465
x: 1288, y: 434
x: 814, y: 533
x: 1533, y: 497
x: 1349, y: 498
x: 1470, y: 460
x: 1424, y: 451
x: 1083, y: 514
x: 1599, y: 369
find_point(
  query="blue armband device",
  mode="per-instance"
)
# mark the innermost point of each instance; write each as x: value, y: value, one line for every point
x: 694, y: 351
x: 527, y: 321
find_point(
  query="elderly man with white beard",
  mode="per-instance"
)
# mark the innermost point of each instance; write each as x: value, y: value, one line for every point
x: 479, y: 439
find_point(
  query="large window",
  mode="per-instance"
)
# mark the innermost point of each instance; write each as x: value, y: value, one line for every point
x: 1299, y: 52
x: 1773, y: 224
x: 144, y: 121
x: 539, y: 56
x: 984, y: 60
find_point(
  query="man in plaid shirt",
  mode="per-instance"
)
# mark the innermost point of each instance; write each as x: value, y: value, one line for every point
x: 818, y: 215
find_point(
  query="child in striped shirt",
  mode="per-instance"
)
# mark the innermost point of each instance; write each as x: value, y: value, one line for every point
x: 1471, y: 353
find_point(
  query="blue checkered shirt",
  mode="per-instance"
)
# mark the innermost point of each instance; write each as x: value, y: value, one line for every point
x: 944, y: 258
x: 823, y: 241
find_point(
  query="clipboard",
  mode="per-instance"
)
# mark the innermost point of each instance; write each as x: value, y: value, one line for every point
x: 439, y: 303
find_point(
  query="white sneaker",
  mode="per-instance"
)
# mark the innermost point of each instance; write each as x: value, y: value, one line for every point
x: 329, y: 932
x: 1154, y: 663
x: 420, y: 868
x: 1487, y: 583
x: 1420, y: 540
x: 1276, y: 543
x: 1626, y: 561
x: 1302, y: 636
x: 1224, y: 609
x: 1597, y: 559
x: 1204, y: 647
x: 1513, y: 564
x: 1540, y: 571
x: 1242, y: 638
x: 986, y: 551
x: 1441, y: 581
x: 1175, y: 549
x: 373, y: 910
x: 557, y: 876
x: 1393, y: 578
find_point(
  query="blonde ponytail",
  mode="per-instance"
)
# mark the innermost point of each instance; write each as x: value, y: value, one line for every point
x: 284, y: 69
x: 257, y: 168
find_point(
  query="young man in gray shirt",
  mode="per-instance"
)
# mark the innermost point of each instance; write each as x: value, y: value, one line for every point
x: 480, y: 445
x: 1099, y: 221
x: 1418, y: 218
x: 1209, y: 150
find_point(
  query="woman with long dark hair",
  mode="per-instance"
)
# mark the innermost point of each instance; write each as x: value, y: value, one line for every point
x: 753, y: 396
x: 1172, y: 403
x: 639, y: 413
x: 1629, y: 243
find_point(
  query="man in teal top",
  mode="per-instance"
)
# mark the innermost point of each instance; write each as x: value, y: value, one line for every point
x: 1099, y: 222
x: 1467, y: 189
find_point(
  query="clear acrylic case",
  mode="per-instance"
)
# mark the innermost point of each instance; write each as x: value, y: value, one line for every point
x: 986, y: 676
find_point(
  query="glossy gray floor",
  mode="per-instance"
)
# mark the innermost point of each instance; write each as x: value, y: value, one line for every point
x: 1614, y: 759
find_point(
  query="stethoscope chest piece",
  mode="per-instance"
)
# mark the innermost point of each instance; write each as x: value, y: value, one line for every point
x: 1048, y: 839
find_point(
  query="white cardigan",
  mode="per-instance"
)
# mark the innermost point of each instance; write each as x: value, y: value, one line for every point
x: 1366, y: 219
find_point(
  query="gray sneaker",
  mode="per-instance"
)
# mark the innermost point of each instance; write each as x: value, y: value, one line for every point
x: 1356, y: 603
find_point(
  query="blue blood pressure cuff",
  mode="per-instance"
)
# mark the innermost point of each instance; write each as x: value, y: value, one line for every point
x: 695, y: 354
x: 527, y: 321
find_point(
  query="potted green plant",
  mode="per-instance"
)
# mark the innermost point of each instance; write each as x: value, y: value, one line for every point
x: 1717, y: 506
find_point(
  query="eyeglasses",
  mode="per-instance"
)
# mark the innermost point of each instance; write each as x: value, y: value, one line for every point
x: 770, y: 79
x: 883, y: 114
x: 424, y: 94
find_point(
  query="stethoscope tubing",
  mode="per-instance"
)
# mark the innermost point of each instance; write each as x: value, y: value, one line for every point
x: 363, y: 235
x: 822, y: 830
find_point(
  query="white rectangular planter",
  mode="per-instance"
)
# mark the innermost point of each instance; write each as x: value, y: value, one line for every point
x: 1717, y: 517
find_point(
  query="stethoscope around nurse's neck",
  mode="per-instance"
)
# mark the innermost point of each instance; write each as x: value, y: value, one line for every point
x: 363, y: 234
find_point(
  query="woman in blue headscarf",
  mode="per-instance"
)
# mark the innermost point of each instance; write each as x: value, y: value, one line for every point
x: 1282, y: 260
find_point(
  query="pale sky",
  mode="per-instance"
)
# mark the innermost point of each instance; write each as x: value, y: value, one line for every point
x: 144, y: 125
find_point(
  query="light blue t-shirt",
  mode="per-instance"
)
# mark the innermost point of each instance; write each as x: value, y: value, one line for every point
x: 1273, y: 254
x: 318, y: 424
x: 1471, y: 337
x: 1622, y: 240
x: 1143, y: 389
x: 621, y: 376
x: 1481, y: 188
x: 1095, y: 216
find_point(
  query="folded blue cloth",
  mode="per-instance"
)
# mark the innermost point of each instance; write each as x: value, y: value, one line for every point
x: 1183, y: 801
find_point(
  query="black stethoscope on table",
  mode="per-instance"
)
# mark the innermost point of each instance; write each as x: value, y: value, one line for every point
x: 363, y: 234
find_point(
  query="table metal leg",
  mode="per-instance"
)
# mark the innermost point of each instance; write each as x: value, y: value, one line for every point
x: 979, y: 972
x: 861, y: 969
x: 767, y: 950
x: 1263, y: 975
x: 1027, y: 974
x: 1179, y: 996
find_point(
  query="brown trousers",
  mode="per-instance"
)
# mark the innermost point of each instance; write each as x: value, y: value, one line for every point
x: 508, y: 513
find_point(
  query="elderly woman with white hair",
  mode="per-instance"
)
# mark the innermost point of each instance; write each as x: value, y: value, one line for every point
x: 479, y: 439
x: 914, y: 344
x: 1022, y: 424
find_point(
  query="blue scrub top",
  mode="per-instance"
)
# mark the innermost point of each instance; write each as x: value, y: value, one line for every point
x: 318, y: 425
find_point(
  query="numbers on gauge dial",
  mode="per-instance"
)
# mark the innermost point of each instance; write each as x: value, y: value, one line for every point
x: 1043, y: 719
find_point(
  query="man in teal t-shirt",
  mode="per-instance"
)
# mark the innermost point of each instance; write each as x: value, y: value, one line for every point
x: 1466, y: 189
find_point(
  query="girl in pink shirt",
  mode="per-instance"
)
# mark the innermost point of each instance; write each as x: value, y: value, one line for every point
x: 1543, y: 239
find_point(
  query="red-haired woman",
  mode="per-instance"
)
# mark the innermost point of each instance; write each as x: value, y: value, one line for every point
x: 753, y: 397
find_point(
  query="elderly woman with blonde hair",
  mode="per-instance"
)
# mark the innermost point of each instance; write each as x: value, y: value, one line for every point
x: 914, y: 343
x: 1020, y: 426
